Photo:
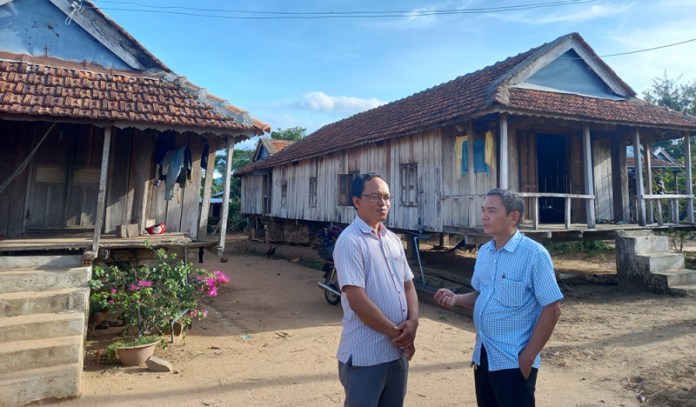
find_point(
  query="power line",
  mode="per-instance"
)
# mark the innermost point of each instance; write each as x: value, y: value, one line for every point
x: 649, y: 49
x: 277, y: 15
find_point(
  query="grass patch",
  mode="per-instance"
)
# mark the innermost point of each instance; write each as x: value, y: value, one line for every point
x: 588, y: 248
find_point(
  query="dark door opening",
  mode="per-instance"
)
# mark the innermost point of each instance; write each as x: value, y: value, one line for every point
x: 553, y: 176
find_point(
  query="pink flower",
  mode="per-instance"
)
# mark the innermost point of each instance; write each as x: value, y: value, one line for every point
x: 144, y: 283
x: 193, y: 313
x: 212, y: 291
x: 112, y: 302
x: 204, y: 312
x: 134, y: 287
x: 220, y: 277
x: 113, y: 291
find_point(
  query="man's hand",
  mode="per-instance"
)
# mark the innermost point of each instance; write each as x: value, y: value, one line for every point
x: 406, y: 333
x: 410, y: 351
x: 446, y: 298
x: 525, y: 365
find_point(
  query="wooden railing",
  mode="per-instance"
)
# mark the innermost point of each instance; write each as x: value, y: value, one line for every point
x: 568, y: 199
x: 673, y: 207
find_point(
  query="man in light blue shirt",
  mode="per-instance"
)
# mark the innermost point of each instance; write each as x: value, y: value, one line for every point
x: 515, y: 302
x: 380, y: 305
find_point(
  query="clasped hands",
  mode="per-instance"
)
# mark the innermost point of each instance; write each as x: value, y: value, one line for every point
x: 405, y: 337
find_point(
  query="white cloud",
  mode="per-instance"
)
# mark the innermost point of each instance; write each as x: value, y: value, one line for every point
x: 310, y: 111
x: 320, y: 101
x: 580, y: 14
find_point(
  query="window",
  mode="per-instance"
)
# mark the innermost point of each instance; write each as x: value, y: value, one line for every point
x: 313, y: 192
x: 344, y: 181
x: 283, y: 194
x: 266, y: 194
x: 409, y: 184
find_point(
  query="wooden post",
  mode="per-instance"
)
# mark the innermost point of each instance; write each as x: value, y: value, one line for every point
x: 503, y: 154
x: 567, y: 212
x: 444, y: 239
x: 207, y: 190
x: 473, y: 209
x: 99, y: 221
x: 660, y: 220
x: 648, y: 174
x: 689, y: 185
x: 589, y: 179
x: 639, y: 177
x: 226, y: 196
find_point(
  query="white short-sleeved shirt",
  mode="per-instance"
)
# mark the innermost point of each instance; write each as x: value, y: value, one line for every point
x: 375, y: 261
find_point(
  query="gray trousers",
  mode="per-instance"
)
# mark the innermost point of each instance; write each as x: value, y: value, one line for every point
x: 382, y: 385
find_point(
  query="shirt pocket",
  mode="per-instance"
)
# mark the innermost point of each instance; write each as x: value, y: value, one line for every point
x: 512, y: 293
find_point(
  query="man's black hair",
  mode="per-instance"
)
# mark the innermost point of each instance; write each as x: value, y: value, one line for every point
x: 357, y: 186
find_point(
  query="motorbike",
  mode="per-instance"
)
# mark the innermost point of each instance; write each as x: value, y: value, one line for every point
x: 327, y: 241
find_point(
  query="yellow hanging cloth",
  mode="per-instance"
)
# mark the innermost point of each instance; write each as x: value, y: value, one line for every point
x: 458, y: 151
x: 489, y: 157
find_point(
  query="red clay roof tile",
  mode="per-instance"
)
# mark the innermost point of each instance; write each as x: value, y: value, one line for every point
x: 63, y: 89
x: 481, y: 92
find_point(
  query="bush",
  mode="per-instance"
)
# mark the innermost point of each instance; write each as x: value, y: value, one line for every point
x: 149, y: 298
x: 588, y: 247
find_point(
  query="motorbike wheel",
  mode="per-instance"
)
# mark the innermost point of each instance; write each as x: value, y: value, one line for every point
x: 331, y: 280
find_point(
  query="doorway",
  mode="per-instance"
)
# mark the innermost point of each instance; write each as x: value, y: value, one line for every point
x: 553, y: 176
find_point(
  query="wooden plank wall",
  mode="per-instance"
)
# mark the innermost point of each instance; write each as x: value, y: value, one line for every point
x: 251, y: 191
x: 181, y: 213
x: 15, y: 145
x: 461, y: 203
x: 445, y: 198
x: 383, y: 158
x: 601, y: 161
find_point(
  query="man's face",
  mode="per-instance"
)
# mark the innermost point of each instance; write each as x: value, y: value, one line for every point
x: 371, y: 212
x: 495, y: 222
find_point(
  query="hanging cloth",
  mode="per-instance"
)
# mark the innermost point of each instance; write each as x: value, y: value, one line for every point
x: 461, y: 154
x: 479, y: 156
x: 490, y: 151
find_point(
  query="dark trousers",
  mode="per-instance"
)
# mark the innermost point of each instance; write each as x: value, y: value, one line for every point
x: 382, y: 385
x: 503, y: 388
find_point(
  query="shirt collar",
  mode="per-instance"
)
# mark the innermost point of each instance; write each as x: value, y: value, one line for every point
x: 365, y: 228
x: 512, y: 244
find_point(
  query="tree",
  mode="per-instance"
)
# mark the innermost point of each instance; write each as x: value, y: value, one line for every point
x: 291, y: 134
x: 678, y: 97
x: 669, y: 93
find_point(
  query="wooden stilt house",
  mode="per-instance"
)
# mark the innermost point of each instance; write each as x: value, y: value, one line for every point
x: 553, y: 123
x: 97, y: 133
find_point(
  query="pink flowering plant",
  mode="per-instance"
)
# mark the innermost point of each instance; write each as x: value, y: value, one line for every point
x: 151, y: 298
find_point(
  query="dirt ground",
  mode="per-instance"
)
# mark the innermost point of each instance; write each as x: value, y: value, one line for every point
x: 270, y: 340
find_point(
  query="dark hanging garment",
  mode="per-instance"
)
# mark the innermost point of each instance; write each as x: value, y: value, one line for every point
x: 204, y: 156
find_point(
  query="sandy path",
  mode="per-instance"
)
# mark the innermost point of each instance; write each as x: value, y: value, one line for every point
x: 271, y: 339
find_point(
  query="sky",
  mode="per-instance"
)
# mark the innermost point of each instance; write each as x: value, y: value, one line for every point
x: 309, y: 63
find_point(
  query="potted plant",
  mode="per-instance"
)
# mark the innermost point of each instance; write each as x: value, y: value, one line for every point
x: 151, y: 298
x: 135, y: 352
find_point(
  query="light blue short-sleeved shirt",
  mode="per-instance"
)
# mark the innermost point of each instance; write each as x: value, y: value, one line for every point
x: 514, y: 284
x: 375, y: 261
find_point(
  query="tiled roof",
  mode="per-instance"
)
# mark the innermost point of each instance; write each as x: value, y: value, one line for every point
x: 279, y: 145
x: 654, y: 163
x: 478, y: 93
x: 272, y: 147
x: 52, y: 89
x: 631, y: 111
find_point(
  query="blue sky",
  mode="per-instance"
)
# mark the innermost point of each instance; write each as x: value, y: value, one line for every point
x: 311, y: 72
